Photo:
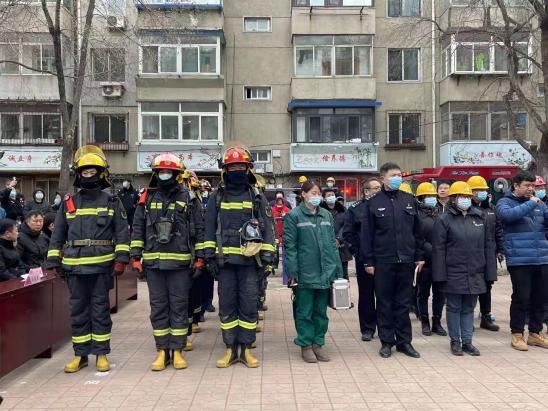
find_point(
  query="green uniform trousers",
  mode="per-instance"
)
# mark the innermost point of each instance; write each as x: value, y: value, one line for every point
x: 310, y: 313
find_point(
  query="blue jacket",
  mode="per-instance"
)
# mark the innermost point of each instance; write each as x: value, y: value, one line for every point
x: 525, y: 225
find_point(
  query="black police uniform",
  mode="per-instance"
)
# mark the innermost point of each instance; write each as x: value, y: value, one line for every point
x: 168, y: 265
x: 366, y: 285
x: 392, y: 243
x: 227, y: 211
x: 87, y: 239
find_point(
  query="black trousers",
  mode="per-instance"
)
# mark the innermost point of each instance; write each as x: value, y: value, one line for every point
x: 194, y: 304
x: 169, y: 295
x: 366, y: 303
x: 90, y: 313
x: 529, y: 296
x: 238, y: 303
x: 423, y: 294
x: 262, y: 279
x: 393, y: 289
x: 207, y: 291
x: 345, y: 269
x: 485, y: 300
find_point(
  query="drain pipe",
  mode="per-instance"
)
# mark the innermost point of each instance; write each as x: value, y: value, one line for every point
x: 433, y: 58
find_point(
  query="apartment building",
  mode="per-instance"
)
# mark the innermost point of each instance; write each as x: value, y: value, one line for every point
x: 313, y: 87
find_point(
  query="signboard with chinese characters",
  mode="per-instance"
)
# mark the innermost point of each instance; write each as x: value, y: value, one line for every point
x: 333, y: 157
x: 28, y: 158
x: 195, y: 159
x: 485, y: 153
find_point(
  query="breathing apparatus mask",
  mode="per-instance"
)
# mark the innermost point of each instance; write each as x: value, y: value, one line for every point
x: 251, y: 239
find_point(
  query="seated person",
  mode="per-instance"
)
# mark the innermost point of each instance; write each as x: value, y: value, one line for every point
x: 32, y: 245
x: 10, y: 264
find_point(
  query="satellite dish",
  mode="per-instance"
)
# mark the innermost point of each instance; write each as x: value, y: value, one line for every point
x: 501, y: 185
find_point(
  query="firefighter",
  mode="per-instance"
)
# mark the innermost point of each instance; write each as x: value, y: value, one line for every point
x: 89, y: 243
x: 168, y: 237
x: 238, y: 242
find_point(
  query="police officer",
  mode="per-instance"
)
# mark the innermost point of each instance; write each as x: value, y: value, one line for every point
x: 168, y: 237
x: 238, y: 241
x: 90, y: 241
x: 366, y: 286
x: 392, y: 246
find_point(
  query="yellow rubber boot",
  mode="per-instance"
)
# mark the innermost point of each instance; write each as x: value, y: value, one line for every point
x: 189, y: 346
x: 179, y: 362
x: 230, y: 357
x: 261, y: 316
x: 253, y: 344
x: 102, y: 363
x: 161, y: 361
x: 196, y: 329
x: 247, y: 358
x: 76, y: 364
x: 259, y: 329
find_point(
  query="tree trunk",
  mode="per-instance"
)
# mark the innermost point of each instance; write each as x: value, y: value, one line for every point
x: 66, y: 160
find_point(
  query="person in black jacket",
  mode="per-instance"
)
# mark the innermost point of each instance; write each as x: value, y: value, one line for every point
x: 392, y: 249
x: 11, y: 202
x: 49, y: 224
x: 366, y: 285
x: 338, y: 211
x: 428, y: 214
x: 32, y: 244
x: 57, y: 199
x: 10, y: 264
x: 463, y: 260
x: 38, y: 202
x: 129, y: 197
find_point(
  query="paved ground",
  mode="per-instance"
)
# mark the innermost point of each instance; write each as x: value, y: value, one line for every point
x: 356, y: 378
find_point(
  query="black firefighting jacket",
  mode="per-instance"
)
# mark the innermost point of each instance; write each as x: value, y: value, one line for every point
x: 97, y: 215
x: 183, y: 209
x: 226, y: 213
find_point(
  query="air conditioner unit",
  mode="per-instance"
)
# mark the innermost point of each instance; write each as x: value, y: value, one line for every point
x: 112, y: 90
x: 116, y: 22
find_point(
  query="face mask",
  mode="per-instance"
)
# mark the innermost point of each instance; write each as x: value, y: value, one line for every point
x: 56, y: 201
x: 329, y: 184
x: 125, y: 184
x: 13, y: 194
x: 315, y: 201
x: 430, y: 202
x: 90, y: 183
x: 481, y: 195
x: 331, y: 200
x: 540, y: 194
x: 39, y: 196
x: 395, y: 182
x: 164, y: 176
x: 205, y: 194
x: 464, y: 203
x: 237, y: 178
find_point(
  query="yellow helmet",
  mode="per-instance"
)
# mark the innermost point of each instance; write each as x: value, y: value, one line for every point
x: 477, y: 183
x: 407, y: 188
x: 332, y: 179
x: 425, y: 189
x: 460, y: 188
x: 261, y: 182
x: 89, y: 156
x: 302, y: 179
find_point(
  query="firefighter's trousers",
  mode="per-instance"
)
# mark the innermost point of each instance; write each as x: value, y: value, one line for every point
x: 194, y: 304
x: 238, y: 303
x: 169, y: 291
x: 90, y: 313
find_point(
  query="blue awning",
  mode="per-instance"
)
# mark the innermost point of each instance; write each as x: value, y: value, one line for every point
x: 332, y: 104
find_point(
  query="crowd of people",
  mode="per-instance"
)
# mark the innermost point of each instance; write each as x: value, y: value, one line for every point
x: 442, y: 240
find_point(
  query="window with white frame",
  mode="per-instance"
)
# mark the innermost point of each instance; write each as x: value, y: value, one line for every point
x: 30, y: 127
x: 404, y: 8
x: 182, y: 58
x: 39, y: 57
x: 332, y: 3
x: 404, y: 128
x: 257, y: 24
x: 403, y: 64
x: 257, y: 93
x: 181, y: 121
x: 109, y: 128
x: 9, y: 52
x: 261, y: 156
x: 108, y: 64
x: 327, y: 56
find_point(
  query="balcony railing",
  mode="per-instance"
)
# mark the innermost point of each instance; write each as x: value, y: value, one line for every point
x: 31, y: 142
x: 180, y: 4
x: 108, y: 146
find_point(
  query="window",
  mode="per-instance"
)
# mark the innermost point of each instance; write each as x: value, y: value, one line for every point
x: 257, y: 93
x: 328, y: 125
x: 35, y: 126
x: 40, y: 57
x: 9, y: 52
x: 404, y: 128
x: 540, y: 90
x: 257, y: 24
x: 326, y: 56
x: 109, y: 129
x: 182, y: 59
x: 404, y: 8
x: 332, y: 3
x: 261, y: 156
x: 108, y: 64
x: 403, y: 64
x: 181, y: 121
x: 9, y: 126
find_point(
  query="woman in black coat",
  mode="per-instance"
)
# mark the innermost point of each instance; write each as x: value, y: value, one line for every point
x: 463, y: 260
x: 10, y: 264
x: 32, y: 244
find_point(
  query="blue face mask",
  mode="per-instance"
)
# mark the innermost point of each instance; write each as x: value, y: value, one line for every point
x: 395, y: 182
x: 315, y: 201
x: 464, y: 203
x: 540, y: 194
x: 430, y: 202
x: 56, y: 201
x: 481, y: 195
x: 165, y: 176
x: 331, y: 200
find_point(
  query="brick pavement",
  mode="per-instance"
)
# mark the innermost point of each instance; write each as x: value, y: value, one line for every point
x: 356, y: 378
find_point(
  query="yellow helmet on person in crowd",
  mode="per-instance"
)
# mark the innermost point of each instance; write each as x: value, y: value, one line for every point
x: 191, y: 178
x: 460, y: 188
x: 426, y: 189
x: 302, y: 179
x: 261, y: 182
x: 89, y: 156
x: 330, y: 179
x: 477, y: 183
x: 407, y: 188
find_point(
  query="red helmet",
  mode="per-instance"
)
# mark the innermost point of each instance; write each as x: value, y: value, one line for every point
x: 237, y: 155
x: 167, y: 161
x: 539, y: 182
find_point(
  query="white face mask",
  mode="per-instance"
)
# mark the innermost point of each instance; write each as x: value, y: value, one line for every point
x: 125, y: 184
x: 39, y: 196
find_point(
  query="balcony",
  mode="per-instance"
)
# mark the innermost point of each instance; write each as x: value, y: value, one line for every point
x: 194, y: 88
x: 466, y: 15
x: 333, y: 20
x: 333, y: 88
x: 179, y: 4
x: 109, y: 146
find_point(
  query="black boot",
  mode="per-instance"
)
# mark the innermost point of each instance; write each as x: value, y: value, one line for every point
x: 487, y: 323
x: 437, y: 328
x: 425, y: 325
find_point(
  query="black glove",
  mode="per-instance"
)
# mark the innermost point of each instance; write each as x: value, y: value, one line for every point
x: 198, y: 272
x: 213, y: 268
